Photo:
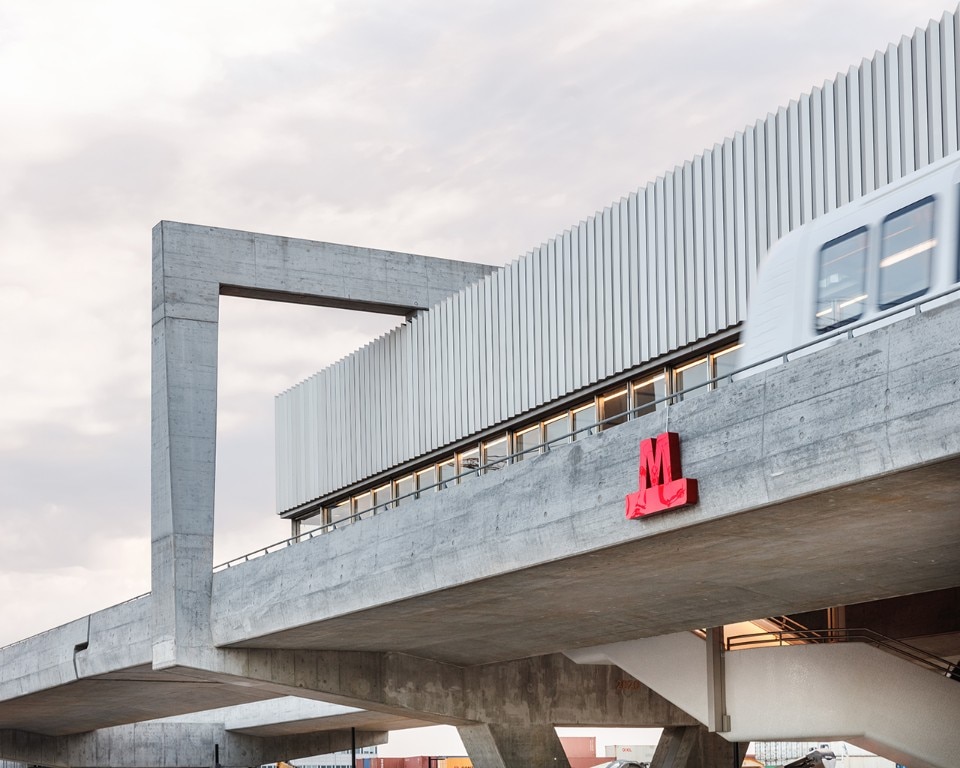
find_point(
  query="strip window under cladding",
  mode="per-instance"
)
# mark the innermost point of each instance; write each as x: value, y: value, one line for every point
x: 611, y: 407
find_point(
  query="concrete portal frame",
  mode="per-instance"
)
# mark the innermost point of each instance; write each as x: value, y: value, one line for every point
x: 192, y: 267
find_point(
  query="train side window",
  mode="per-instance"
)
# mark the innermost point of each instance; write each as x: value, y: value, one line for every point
x: 841, y: 281
x: 906, y: 256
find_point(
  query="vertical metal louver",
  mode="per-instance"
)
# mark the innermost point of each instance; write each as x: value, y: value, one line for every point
x: 669, y: 264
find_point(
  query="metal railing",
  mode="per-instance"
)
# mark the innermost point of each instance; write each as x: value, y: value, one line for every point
x: 846, y: 332
x: 829, y: 636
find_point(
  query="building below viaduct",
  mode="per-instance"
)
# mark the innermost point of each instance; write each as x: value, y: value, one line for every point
x: 478, y: 462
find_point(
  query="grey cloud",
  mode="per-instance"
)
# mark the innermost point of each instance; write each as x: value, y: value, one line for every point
x: 110, y: 174
x: 65, y: 488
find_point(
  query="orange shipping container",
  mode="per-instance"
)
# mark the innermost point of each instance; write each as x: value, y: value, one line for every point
x: 381, y: 762
x: 587, y: 762
x: 580, y: 746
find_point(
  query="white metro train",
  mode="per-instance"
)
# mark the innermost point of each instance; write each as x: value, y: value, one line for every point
x: 857, y: 262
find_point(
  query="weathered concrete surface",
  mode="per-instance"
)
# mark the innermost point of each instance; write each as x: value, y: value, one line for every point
x: 192, y: 267
x: 113, y: 639
x: 96, y: 672
x: 396, y: 691
x: 289, y: 715
x: 829, y: 480
x: 694, y: 747
x: 161, y: 744
x: 541, y: 690
x: 506, y: 746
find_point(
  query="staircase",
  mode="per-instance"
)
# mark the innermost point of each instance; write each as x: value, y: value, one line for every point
x: 792, y: 688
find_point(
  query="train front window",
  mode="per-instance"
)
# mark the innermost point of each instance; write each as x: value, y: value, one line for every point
x: 906, y: 255
x: 842, y: 279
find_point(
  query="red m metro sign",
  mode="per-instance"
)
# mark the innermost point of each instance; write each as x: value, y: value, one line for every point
x: 661, y: 486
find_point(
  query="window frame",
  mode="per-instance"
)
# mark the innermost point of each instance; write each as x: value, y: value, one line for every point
x: 931, y: 261
x: 862, y: 230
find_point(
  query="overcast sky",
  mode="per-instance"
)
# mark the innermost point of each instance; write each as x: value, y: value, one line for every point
x: 465, y: 130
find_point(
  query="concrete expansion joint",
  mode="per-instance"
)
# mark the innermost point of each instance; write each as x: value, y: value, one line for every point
x: 81, y: 647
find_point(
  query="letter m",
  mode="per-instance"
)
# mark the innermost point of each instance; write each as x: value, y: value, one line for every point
x: 661, y: 486
x: 658, y: 457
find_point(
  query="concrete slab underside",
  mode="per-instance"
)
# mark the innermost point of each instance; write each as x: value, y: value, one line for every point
x: 139, y: 693
x: 124, y: 696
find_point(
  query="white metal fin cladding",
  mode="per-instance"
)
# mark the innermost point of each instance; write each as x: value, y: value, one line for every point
x: 669, y: 264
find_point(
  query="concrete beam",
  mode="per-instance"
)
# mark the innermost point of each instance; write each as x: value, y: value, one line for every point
x: 390, y: 683
x: 161, y: 744
x: 695, y: 747
x: 553, y: 690
x: 550, y: 690
x: 192, y: 267
x: 513, y: 746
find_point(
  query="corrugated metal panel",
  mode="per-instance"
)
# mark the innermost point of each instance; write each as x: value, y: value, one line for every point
x: 894, y: 115
x: 538, y: 361
x: 499, y: 353
x: 854, y: 119
x: 582, y: 287
x: 867, y: 127
x: 558, y: 309
x: 706, y: 261
x: 750, y: 182
x: 728, y: 266
x: 948, y: 84
x: 669, y: 264
x: 610, y: 316
x: 740, y: 251
x: 717, y: 287
x: 644, y: 265
x: 667, y: 238
x: 843, y: 159
x: 880, y: 105
x: 699, y: 304
x: 516, y: 406
x: 908, y: 94
x: 659, y: 300
x: 935, y: 129
x: 631, y: 284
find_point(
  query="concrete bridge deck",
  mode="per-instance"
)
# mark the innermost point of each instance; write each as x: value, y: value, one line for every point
x: 831, y: 480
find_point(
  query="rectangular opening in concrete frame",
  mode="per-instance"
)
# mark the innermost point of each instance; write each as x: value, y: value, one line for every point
x: 265, y: 347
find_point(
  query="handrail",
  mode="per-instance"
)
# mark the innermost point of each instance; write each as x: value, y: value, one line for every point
x: 785, y: 623
x: 500, y: 462
x: 843, y: 635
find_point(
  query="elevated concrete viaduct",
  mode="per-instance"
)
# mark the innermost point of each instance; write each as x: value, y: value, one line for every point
x: 795, y: 465
x: 828, y: 483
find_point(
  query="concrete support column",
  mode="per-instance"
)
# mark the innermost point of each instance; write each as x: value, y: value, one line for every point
x: 492, y: 745
x: 717, y: 718
x: 183, y: 468
x: 693, y: 746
